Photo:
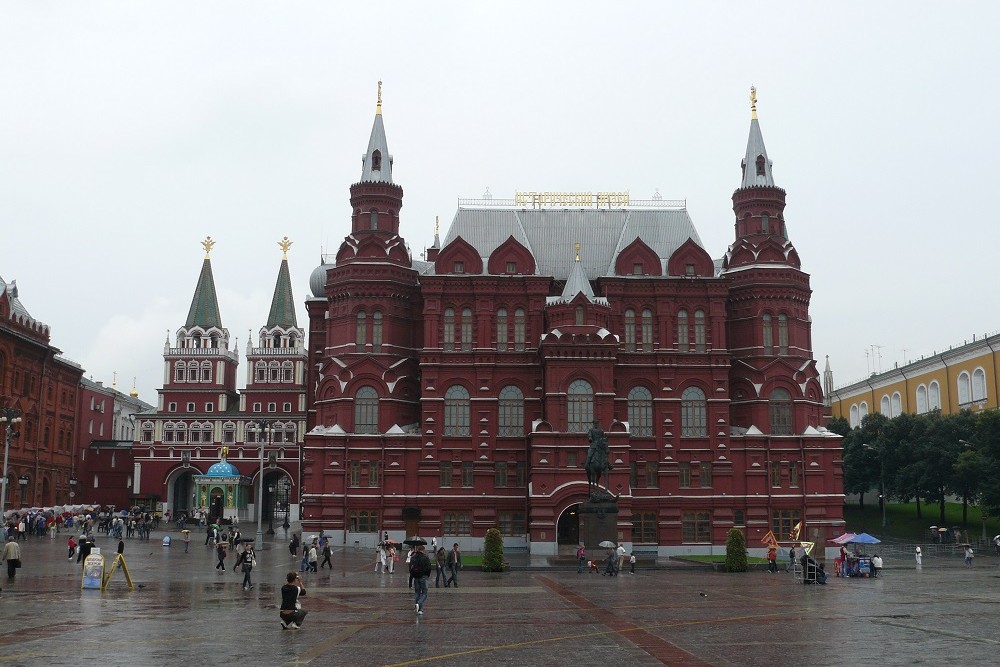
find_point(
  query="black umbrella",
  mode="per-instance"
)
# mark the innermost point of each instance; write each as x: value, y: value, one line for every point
x: 248, y: 539
x: 415, y: 542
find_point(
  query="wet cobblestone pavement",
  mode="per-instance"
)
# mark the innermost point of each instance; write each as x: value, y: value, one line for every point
x: 183, y: 611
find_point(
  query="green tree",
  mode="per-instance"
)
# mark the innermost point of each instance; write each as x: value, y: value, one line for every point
x: 493, y: 560
x: 736, y: 551
x: 839, y: 425
x: 986, y: 436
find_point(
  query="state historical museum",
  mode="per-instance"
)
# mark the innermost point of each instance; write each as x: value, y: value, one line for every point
x: 452, y: 395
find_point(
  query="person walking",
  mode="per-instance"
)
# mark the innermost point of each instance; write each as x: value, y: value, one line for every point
x: 876, y: 566
x: 12, y: 556
x: 187, y: 539
x: 72, y: 547
x: 291, y: 612
x: 454, y: 565
x: 620, y: 554
x: 220, y: 552
x: 246, y: 562
x: 631, y: 563
x: 772, y: 560
x: 420, y: 570
x: 293, y: 546
x: 441, y: 560
x: 379, y: 557
x: 968, y: 555
x: 919, y: 556
x: 313, y: 557
x: 327, y: 552
x: 581, y: 559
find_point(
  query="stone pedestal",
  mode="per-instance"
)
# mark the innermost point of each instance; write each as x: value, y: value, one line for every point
x: 598, y: 521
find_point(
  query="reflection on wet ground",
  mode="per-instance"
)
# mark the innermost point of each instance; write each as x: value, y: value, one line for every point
x: 183, y: 611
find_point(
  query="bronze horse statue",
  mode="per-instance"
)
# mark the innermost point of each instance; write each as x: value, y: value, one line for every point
x: 597, y: 458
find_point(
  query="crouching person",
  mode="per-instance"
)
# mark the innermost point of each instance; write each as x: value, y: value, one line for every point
x: 291, y: 612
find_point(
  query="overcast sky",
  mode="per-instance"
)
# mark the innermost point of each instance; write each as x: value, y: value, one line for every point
x: 130, y: 131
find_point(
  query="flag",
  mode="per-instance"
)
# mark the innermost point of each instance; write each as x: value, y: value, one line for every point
x: 796, y: 530
x: 769, y: 540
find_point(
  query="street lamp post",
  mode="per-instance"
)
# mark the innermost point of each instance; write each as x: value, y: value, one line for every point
x: 23, y: 481
x: 285, y: 525
x: 270, y: 509
x: 8, y: 416
x: 881, y: 475
x: 261, y: 427
x: 72, y: 488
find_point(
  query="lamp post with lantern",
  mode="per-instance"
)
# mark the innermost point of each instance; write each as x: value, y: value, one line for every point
x: 9, y: 417
x: 260, y: 427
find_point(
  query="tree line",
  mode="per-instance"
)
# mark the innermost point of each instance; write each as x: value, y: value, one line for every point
x: 925, y: 458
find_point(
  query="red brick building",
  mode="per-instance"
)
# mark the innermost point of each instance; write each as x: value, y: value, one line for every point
x: 452, y: 395
x: 201, y: 417
x: 41, y: 387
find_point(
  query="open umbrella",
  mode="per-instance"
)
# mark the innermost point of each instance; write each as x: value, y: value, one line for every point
x: 607, y: 543
x: 415, y: 541
x: 864, y: 538
x: 248, y: 539
x: 843, y: 539
x: 185, y: 531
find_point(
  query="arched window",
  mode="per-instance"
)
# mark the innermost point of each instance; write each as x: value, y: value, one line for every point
x: 373, y: 219
x: 274, y: 372
x: 780, y: 406
x: 511, y: 417
x: 361, y: 331
x: 287, y: 371
x: 146, y: 433
x: 206, y: 371
x: 782, y: 334
x: 863, y: 410
x: 699, y: 331
x: 193, y: 372
x: 377, y: 332
x: 519, y: 330
x: 896, y: 404
x: 456, y: 411
x: 260, y: 372
x: 276, y: 340
x: 502, y: 330
x: 964, y: 388
x: 579, y: 316
x: 934, y: 396
x: 630, y: 330
x: 768, y: 335
x: 376, y: 160
x: 640, y: 412
x: 180, y: 371
x: 765, y: 224
x: 366, y: 410
x: 180, y: 432
x: 760, y: 165
x: 694, y: 413
x: 449, y: 329
x: 855, y: 419
x: 979, y: 385
x: 884, y: 406
x: 467, y: 330
x: 647, y: 330
x: 921, y: 399
x: 682, y: 331
x: 580, y: 406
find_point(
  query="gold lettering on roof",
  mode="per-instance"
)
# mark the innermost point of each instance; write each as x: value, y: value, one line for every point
x: 571, y: 199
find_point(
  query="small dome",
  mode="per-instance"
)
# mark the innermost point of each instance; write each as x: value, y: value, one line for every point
x: 317, y: 280
x: 223, y: 469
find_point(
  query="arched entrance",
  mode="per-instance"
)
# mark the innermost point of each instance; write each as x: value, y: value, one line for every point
x: 182, y: 494
x: 217, y: 503
x: 568, y: 529
x: 277, y: 499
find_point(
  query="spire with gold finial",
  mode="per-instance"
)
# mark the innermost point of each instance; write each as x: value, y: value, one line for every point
x: 378, y: 104
x: 578, y: 251
x: 284, y: 244
x: 208, y: 244
x: 753, y: 102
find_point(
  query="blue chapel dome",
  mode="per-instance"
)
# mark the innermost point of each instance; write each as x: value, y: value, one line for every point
x: 223, y: 469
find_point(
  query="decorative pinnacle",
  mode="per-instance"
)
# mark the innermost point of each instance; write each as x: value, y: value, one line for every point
x: 207, y: 245
x: 284, y: 244
x: 225, y: 452
x: 378, y: 105
x: 578, y: 251
x: 437, y: 225
x: 753, y: 102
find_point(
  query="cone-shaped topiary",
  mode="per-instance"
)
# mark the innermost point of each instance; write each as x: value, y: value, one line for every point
x: 493, y: 552
x: 736, y: 551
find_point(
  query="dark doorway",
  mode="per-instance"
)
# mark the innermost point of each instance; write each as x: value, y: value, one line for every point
x: 183, y: 495
x: 218, y: 500
x: 568, y: 528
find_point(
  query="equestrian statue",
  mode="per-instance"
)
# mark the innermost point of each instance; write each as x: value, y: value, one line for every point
x: 597, y: 459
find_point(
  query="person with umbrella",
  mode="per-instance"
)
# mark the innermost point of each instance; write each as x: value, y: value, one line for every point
x: 187, y: 539
x: 220, y: 551
x: 420, y: 570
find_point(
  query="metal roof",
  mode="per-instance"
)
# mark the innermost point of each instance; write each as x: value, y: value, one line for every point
x: 755, y: 148
x: 551, y: 234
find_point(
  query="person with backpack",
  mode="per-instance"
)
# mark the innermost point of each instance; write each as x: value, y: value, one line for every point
x: 246, y: 560
x: 420, y: 570
x: 291, y: 612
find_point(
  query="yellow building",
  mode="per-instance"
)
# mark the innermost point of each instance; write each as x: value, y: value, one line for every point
x: 962, y: 378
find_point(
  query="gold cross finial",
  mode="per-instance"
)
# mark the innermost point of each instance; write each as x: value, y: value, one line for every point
x: 284, y: 244
x: 753, y: 102
x: 378, y: 106
x: 578, y: 251
x: 207, y: 245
